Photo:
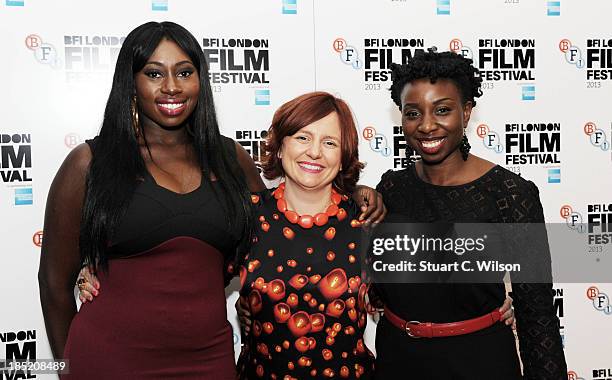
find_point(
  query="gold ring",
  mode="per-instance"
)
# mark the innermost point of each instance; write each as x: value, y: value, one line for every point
x: 81, y: 283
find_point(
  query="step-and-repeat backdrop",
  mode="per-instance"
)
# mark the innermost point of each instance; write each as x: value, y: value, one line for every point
x: 545, y: 113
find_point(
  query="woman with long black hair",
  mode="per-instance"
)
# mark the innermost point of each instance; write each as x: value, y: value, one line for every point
x: 159, y: 203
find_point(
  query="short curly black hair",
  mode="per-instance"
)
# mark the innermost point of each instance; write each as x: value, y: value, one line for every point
x: 434, y: 65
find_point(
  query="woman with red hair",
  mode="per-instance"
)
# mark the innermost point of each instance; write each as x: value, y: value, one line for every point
x: 302, y: 280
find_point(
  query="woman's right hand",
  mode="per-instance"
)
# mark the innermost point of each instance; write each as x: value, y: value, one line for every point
x: 244, y: 315
x: 88, y: 284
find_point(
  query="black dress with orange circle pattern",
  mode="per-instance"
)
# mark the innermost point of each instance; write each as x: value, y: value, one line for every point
x: 305, y: 294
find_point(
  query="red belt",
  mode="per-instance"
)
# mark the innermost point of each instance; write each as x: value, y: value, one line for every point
x: 416, y: 329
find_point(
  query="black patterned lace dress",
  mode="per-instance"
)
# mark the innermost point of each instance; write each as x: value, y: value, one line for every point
x: 499, y: 196
x: 306, y: 298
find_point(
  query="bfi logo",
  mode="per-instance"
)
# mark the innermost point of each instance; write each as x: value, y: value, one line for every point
x: 601, y: 301
x: 490, y: 138
x: 572, y: 375
x: 71, y: 140
x: 44, y: 53
x: 572, y: 53
x: 597, y: 136
x: 456, y: 46
x: 37, y: 239
x: 572, y: 218
x: 348, y: 54
x: 378, y: 142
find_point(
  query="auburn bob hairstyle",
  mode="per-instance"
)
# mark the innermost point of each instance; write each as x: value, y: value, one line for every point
x: 302, y: 111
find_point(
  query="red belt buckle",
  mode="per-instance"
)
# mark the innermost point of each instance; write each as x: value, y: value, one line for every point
x: 409, y: 332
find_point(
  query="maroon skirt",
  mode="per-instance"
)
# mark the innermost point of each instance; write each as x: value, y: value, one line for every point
x: 160, y: 314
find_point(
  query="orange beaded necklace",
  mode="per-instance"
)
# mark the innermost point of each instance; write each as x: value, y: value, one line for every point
x: 307, y: 221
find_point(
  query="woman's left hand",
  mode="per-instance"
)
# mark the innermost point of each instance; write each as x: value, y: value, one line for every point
x: 88, y: 284
x: 507, y: 312
x: 370, y: 203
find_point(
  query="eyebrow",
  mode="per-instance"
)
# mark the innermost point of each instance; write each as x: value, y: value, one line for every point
x: 161, y: 64
x: 435, y: 102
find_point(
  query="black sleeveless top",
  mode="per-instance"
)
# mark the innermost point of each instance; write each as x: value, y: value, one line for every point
x: 156, y: 215
x: 162, y: 311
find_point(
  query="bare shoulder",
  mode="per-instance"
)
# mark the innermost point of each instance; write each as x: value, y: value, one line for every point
x: 249, y: 169
x: 79, y: 157
x: 74, y: 169
x: 242, y: 154
x: 64, y: 204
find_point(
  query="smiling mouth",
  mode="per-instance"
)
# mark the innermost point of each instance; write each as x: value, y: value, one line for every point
x: 432, y: 146
x: 171, y: 109
x: 310, y: 168
x: 171, y: 106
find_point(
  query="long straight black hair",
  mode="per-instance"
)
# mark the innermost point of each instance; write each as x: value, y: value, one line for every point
x: 117, y: 164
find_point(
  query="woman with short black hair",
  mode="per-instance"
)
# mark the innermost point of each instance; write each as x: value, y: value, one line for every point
x: 457, y: 336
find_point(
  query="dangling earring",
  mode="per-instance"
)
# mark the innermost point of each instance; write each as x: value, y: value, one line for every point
x: 135, y: 121
x: 464, y: 146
